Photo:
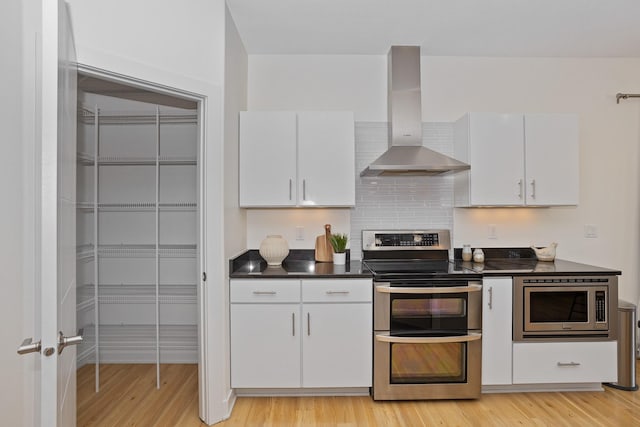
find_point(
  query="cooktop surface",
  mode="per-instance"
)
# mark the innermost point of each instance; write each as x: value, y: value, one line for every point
x: 383, y: 269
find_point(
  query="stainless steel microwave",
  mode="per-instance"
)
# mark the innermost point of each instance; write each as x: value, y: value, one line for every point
x: 565, y: 307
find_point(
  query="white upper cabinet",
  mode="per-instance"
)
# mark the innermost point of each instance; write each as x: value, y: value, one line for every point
x: 268, y: 158
x: 551, y: 151
x: 493, y: 144
x: 297, y: 159
x: 326, y: 158
x: 517, y: 159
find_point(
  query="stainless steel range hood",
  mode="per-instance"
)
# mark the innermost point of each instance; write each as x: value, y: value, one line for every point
x: 406, y: 156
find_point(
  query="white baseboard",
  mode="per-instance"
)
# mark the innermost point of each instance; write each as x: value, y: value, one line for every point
x: 284, y: 392
x: 527, y: 388
x: 230, y: 402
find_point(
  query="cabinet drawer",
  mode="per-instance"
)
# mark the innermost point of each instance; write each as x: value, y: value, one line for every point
x: 337, y: 290
x: 265, y: 291
x: 575, y: 362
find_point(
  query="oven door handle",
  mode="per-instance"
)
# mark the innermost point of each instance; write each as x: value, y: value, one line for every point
x: 388, y: 289
x: 386, y: 337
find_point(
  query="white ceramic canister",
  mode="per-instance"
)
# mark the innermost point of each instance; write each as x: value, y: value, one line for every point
x: 274, y: 249
x: 466, y: 253
x: 478, y: 255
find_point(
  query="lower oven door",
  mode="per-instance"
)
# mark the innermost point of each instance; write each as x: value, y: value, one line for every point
x: 428, y: 366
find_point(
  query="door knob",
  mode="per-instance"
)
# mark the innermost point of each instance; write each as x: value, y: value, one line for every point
x: 28, y: 346
x: 67, y: 341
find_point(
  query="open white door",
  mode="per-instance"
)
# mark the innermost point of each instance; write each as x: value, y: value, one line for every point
x: 55, y: 212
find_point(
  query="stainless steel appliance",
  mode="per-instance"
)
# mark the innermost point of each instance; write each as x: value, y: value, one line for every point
x: 406, y: 156
x: 427, y: 317
x: 561, y: 308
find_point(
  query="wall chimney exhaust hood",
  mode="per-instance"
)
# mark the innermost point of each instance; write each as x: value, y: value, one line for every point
x: 406, y: 156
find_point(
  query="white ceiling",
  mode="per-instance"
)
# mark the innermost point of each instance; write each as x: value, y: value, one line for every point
x: 527, y: 28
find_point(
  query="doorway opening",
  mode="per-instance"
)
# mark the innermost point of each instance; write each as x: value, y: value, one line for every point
x: 138, y: 228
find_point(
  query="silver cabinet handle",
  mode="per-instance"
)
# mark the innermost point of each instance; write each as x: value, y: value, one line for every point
x: 290, y: 188
x: 293, y: 324
x: 388, y: 289
x: 490, y: 298
x: 264, y: 292
x: 28, y: 346
x: 568, y: 364
x: 337, y: 292
x: 304, y: 189
x: 64, y: 342
x: 308, y: 323
x: 533, y: 188
x: 386, y: 337
x: 520, y: 189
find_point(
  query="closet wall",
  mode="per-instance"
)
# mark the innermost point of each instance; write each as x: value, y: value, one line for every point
x: 136, y: 232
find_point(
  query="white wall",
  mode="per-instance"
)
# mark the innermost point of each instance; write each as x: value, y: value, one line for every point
x: 355, y: 83
x: 185, y: 39
x: 263, y: 222
x: 11, y: 219
x: 235, y: 100
x: 609, y: 135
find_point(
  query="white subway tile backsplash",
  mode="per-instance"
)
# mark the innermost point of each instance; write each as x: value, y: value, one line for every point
x: 402, y: 202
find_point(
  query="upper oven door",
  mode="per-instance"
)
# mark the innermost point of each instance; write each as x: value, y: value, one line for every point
x: 450, y: 306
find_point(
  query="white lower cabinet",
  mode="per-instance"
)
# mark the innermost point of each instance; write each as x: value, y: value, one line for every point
x: 336, y: 345
x: 565, y: 362
x: 496, y: 330
x: 301, y: 333
x: 265, y: 345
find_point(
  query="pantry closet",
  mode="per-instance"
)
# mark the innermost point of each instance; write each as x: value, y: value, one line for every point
x: 137, y: 227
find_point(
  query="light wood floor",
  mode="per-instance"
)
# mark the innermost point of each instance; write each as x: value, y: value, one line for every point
x: 128, y: 397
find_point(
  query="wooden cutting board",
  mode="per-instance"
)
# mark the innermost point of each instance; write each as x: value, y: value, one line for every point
x: 324, y: 251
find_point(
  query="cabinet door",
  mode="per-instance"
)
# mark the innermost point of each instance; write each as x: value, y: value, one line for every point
x: 336, y: 345
x: 551, y: 153
x: 326, y: 158
x: 267, y: 158
x: 265, y: 345
x: 496, y: 330
x: 496, y: 155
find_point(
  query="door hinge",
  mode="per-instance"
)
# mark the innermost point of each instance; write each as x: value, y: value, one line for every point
x: 204, y: 276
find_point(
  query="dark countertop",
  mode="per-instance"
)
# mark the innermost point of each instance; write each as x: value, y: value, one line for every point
x: 299, y: 264
x: 523, y: 262
x: 559, y: 267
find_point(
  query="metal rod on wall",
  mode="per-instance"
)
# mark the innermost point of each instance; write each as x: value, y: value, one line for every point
x: 625, y: 96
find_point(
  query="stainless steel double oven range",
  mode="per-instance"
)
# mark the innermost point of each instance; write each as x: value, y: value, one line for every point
x: 427, y: 317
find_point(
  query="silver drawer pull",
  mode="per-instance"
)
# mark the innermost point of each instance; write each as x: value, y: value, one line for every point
x: 264, y: 292
x: 338, y: 292
x: 565, y: 364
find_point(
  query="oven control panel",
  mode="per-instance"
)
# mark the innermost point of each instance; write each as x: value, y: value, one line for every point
x: 405, y: 239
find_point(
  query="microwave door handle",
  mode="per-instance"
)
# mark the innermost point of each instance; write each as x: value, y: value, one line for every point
x: 473, y: 336
x: 388, y: 289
